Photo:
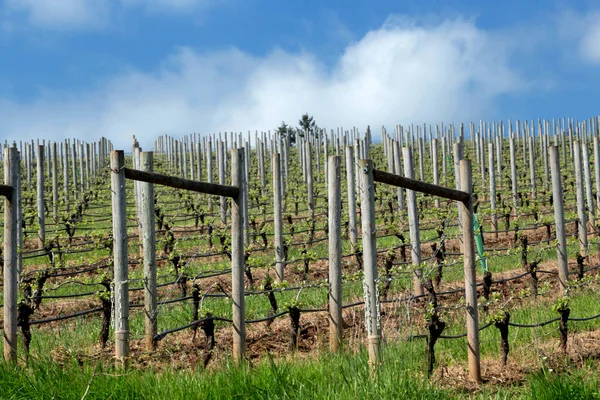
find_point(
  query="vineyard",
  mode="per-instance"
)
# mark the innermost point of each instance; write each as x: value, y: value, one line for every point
x: 461, y: 255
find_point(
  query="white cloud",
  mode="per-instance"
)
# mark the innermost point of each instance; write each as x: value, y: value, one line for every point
x: 401, y: 73
x: 174, y: 5
x: 60, y: 14
x: 65, y: 15
x: 590, y: 42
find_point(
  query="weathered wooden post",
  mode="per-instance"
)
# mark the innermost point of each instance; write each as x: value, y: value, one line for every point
x: 65, y: 147
x: 54, y: 183
x: 559, y: 217
x: 41, y: 206
x: 278, y: 223
x: 121, y: 267
x: 581, y: 214
x: 398, y: 171
x: 221, y: 156
x: 81, y: 170
x: 11, y: 175
x: 149, y: 251
x: 587, y: 176
x: 309, y: 178
x: 352, y: 232
x: 513, y: 172
x: 457, y: 150
x: 532, y: 167
x: 492, y: 173
x: 469, y: 271
x: 74, y: 165
x: 413, y: 222
x: 597, y: 170
x: 237, y: 256
x: 436, y: 176
x: 209, y: 170
x: 367, y: 206
x: 335, y: 253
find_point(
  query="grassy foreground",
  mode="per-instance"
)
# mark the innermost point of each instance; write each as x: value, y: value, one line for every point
x: 344, y: 376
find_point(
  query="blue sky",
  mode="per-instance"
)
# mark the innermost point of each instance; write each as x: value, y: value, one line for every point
x: 86, y: 68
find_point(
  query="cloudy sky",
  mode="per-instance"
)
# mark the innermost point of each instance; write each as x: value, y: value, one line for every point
x: 87, y: 68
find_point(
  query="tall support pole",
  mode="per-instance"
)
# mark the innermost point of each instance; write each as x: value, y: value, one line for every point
x: 472, y: 315
x: 149, y: 249
x: 335, y: 253
x: 309, y: 178
x: 352, y: 231
x: 436, y: 176
x: 121, y: 268
x: 457, y: 149
x: 19, y: 223
x: 74, y: 165
x: 513, y: 173
x: 398, y: 171
x: 41, y: 206
x: 65, y: 147
x: 492, y: 173
x: 221, y: 155
x: 11, y: 176
x: 559, y: 217
x: 81, y: 170
x: 597, y: 170
x: 209, y: 170
x: 54, y: 183
x: 237, y: 256
x: 367, y: 206
x: 532, y: 167
x: 545, y: 157
x: 587, y: 178
x: 278, y: 223
x: 581, y: 215
x: 413, y: 223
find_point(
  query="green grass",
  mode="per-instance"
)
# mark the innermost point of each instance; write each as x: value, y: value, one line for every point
x: 330, y: 377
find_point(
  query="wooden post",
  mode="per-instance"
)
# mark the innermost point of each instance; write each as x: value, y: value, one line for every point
x: 457, y: 149
x: 74, y: 165
x: 472, y: 315
x: 149, y: 250
x: 413, y: 222
x: 309, y: 178
x: 41, y: 207
x: 597, y: 170
x: 278, y: 223
x: 532, y: 167
x: 209, y: 170
x: 421, y: 160
x: 221, y: 159
x: 121, y: 267
x: 581, y: 215
x: 545, y: 157
x: 335, y: 252
x: 436, y: 176
x: 559, y: 217
x: 81, y: 170
x: 237, y: 256
x: 352, y: 231
x: 367, y: 206
x: 19, y: 223
x: 492, y: 173
x: 65, y: 147
x: 513, y: 172
x: 587, y: 176
x: 28, y: 162
x: 398, y: 171
x: 54, y: 183
x: 11, y: 176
